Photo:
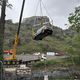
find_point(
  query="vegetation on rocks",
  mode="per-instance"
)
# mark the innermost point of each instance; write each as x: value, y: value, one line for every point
x: 55, y: 42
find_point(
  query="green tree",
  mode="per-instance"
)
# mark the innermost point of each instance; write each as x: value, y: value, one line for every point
x: 74, y: 24
x: 74, y: 19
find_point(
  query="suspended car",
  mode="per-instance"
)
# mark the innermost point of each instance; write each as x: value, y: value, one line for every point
x: 43, y: 32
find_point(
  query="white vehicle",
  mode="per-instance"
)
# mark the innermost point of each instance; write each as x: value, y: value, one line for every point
x: 43, y: 32
x: 51, y: 53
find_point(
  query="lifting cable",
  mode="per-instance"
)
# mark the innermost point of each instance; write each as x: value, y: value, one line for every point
x: 41, y: 8
x: 40, y: 4
x: 47, y: 12
x: 33, y: 32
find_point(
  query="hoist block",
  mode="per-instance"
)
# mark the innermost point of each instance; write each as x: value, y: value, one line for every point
x: 43, y: 32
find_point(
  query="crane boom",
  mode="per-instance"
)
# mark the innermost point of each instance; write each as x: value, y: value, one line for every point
x: 13, y: 56
x: 17, y: 35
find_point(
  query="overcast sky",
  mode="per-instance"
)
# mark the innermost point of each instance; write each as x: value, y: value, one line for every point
x: 58, y: 10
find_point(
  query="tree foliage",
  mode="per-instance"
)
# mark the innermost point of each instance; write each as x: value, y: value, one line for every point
x: 7, y: 4
x: 74, y: 19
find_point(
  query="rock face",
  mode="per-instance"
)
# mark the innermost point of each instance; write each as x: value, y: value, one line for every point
x: 26, y: 36
x: 35, y: 20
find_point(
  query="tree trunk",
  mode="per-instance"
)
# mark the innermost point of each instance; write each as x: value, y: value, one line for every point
x: 2, y: 27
